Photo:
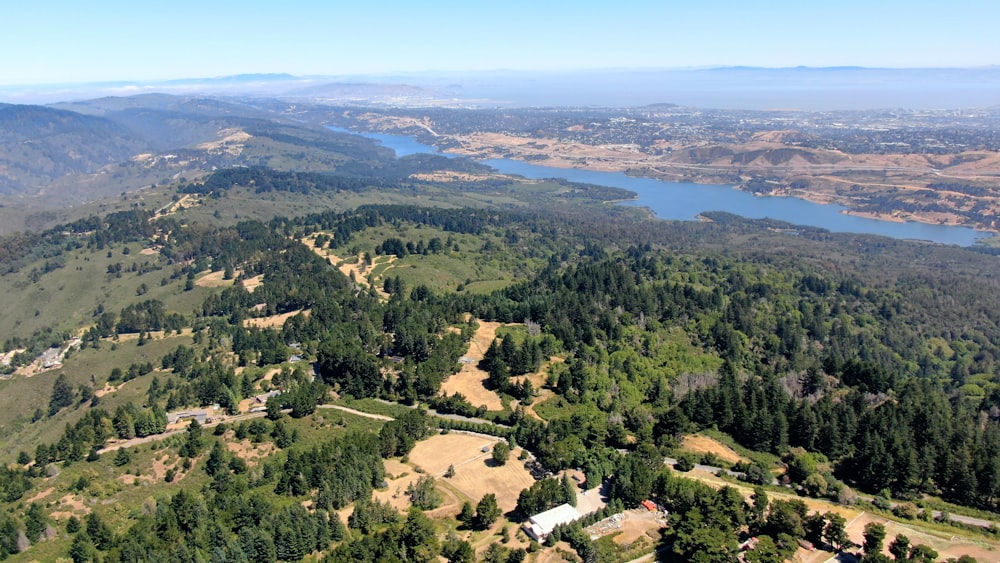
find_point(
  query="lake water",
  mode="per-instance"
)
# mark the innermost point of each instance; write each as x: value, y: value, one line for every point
x: 402, y: 145
x: 685, y: 201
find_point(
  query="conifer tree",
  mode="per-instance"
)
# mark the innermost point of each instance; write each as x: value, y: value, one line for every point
x: 62, y: 395
x: 487, y: 511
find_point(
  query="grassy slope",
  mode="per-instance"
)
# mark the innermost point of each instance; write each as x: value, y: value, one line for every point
x: 468, y: 267
x: 66, y: 298
x: 63, y: 199
x: 20, y: 396
x: 30, y: 214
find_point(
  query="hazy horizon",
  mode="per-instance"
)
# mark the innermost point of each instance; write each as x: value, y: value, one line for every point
x: 751, y: 88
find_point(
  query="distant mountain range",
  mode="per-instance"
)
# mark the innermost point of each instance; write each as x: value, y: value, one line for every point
x: 736, y: 87
x: 78, y: 151
x: 40, y: 144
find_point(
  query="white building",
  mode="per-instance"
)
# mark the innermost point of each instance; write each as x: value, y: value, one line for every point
x: 541, y: 525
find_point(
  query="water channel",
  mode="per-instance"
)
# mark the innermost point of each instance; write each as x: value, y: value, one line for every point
x: 685, y: 201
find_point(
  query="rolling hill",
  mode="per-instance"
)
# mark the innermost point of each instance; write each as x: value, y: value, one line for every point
x: 54, y: 159
x: 40, y: 144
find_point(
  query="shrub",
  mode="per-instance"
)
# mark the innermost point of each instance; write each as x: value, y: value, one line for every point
x: 906, y: 510
x: 684, y: 463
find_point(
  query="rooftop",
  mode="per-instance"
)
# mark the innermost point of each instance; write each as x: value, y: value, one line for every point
x: 542, y: 524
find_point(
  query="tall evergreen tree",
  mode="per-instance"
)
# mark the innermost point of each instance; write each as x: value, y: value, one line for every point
x: 62, y: 394
x: 487, y: 511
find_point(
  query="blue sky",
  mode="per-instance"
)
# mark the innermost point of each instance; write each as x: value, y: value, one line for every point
x: 53, y: 41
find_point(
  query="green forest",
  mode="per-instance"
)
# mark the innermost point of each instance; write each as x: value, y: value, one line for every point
x: 849, y: 368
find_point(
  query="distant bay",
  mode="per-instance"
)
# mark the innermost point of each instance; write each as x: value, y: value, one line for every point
x: 685, y: 201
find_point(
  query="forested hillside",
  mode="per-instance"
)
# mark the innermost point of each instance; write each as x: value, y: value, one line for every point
x: 39, y: 144
x: 860, y: 363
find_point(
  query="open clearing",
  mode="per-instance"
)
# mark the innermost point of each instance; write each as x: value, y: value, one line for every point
x: 399, y: 476
x: 70, y: 505
x: 158, y: 470
x: 273, y: 320
x: 250, y: 452
x: 186, y: 201
x: 632, y: 525
x: 40, y: 495
x: 360, y: 272
x: 150, y: 335
x: 947, y: 545
x: 537, y: 380
x: 354, y: 268
x: 213, y: 279
x: 253, y: 283
x: 470, y: 380
x: 704, y: 445
x: 559, y: 553
x: 474, y: 476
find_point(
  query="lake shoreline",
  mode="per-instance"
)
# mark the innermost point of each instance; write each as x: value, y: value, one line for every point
x: 685, y: 201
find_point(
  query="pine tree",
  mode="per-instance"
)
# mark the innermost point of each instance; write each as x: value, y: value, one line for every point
x: 192, y: 443
x: 62, y: 395
x: 72, y: 525
x: 423, y: 494
x: 420, y: 538
x: 487, y: 511
x: 759, y: 511
x: 337, y: 530
x: 835, y: 532
x: 246, y: 386
x: 35, y: 521
x: 456, y: 550
x: 900, y: 547
x: 98, y: 531
x: 569, y: 490
x: 123, y: 457
x: 874, y: 537
x: 814, y: 525
x: 467, y: 516
x: 322, y: 520
x: 216, y: 459
x: 82, y: 549
x: 495, y: 553
x: 923, y: 554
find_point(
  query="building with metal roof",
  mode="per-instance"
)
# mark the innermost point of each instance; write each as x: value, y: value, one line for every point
x: 541, y: 525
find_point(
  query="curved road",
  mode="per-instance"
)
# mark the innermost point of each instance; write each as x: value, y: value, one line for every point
x: 119, y: 444
x: 961, y: 519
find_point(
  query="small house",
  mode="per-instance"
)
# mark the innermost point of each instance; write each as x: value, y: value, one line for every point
x: 200, y: 415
